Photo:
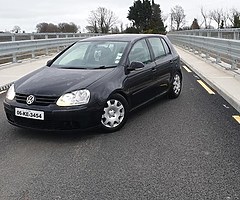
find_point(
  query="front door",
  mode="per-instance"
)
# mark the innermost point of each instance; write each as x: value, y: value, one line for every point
x: 139, y: 83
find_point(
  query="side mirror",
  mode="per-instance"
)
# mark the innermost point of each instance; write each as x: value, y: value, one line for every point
x: 135, y: 65
x: 49, y: 62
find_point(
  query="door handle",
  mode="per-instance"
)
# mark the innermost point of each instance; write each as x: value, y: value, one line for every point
x: 171, y: 61
x: 154, y: 69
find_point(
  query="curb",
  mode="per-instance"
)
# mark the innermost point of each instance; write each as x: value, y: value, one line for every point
x: 232, y: 101
x: 5, y: 87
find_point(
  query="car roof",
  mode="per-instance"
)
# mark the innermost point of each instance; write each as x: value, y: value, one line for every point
x: 121, y: 37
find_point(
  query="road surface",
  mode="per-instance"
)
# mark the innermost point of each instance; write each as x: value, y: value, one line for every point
x: 187, y: 148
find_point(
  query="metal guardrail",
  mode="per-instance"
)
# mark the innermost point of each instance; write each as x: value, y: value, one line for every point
x: 220, y: 49
x: 7, y: 37
x: 228, y: 33
x: 16, y: 50
x: 20, y: 47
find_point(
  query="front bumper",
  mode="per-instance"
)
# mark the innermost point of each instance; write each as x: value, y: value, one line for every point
x: 55, y: 118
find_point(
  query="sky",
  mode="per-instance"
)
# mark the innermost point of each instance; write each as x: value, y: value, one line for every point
x: 28, y: 13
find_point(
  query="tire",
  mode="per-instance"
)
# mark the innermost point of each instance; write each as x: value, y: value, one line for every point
x: 176, y: 86
x: 115, y: 113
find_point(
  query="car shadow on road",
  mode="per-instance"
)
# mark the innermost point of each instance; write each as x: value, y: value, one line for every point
x: 83, y: 135
x: 160, y: 101
x: 58, y: 136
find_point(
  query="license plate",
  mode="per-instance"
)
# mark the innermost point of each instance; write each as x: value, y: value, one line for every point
x: 31, y: 114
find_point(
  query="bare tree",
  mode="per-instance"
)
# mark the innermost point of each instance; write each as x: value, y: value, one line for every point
x: 115, y: 30
x: 231, y: 14
x: 209, y: 21
x: 225, y: 17
x: 177, y: 16
x: 92, y: 28
x: 217, y: 16
x: 101, y: 20
x: 16, y: 29
x: 121, y: 28
x: 208, y: 16
x: 205, y: 17
x: 164, y: 17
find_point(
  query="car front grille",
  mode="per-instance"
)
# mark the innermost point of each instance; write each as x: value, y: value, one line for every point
x: 39, y: 100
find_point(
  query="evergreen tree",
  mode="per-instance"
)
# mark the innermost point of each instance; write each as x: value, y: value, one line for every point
x: 156, y: 24
x: 140, y: 14
x: 146, y: 17
x: 195, y: 24
x: 222, y: 24
x: 236, y: 20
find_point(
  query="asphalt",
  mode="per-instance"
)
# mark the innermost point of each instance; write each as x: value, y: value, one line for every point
x: 183, y: 149
x: 224, y: 81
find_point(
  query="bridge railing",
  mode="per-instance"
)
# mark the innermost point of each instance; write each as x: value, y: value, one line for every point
x: 15, y: 47
x: 221, y: 50
x: 228, y: 33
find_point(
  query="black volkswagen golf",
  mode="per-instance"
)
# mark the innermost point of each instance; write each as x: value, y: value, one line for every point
x: 95, y: 82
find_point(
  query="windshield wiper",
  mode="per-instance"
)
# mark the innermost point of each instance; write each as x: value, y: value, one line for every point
x: 104, y: 67
x: 73, y: 68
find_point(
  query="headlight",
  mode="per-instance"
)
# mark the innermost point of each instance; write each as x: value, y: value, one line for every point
x: 11, y: 93
x: 75, y: 98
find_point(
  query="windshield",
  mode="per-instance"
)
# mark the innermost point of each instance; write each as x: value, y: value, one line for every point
x: 91, y: 55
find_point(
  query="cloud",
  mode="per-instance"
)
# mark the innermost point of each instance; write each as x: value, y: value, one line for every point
x: 27, y: 13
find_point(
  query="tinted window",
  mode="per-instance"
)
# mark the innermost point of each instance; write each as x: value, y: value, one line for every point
x: 140, y: 52
x: 157, y: 47
x: 166, y: 47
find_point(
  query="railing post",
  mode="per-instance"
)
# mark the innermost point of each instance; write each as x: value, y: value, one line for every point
x: 218, y: 59
x: 33, y: 51
x: 14, y: 55
x: 58, y: 48
x: 207, y: 51
x: 234, y: 65
x: 236, y: 35
x: 66, y: 37
x: 47, y: 52
x: 219, y: 34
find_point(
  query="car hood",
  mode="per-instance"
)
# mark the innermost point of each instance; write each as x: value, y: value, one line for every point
x: 55, y: 81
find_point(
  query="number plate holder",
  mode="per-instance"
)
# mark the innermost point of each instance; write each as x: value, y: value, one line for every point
x: 31, y: 114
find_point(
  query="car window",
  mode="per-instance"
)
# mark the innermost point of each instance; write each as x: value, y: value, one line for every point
x: 157, y: 46
x: 140, y: 52
x: 166, y: 47
x: 77, y: 52
x: 92, y: 55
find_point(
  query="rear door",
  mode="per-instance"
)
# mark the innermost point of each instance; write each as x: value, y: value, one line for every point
x: 164, y: 64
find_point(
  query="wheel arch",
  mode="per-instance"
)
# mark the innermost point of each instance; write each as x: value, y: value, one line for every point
x: 123, y: 94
